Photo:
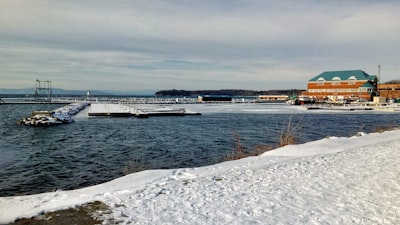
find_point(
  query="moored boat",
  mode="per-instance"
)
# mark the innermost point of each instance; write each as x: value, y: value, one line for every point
x: 301, y: 100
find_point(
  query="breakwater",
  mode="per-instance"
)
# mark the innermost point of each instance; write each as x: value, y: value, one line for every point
x: 62, y: 115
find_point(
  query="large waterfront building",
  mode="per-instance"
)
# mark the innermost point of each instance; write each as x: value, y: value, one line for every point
x: 342, y: 85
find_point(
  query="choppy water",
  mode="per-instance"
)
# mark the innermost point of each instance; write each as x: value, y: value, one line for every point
x: 96, y: 150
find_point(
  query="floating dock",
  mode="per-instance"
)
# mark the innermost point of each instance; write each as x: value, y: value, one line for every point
x: 122, y: 110
x: 331, y: 107
x: 354, y: 107
x: 115, y: 110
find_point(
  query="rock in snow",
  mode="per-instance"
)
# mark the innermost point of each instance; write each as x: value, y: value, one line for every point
x: 331, y: 181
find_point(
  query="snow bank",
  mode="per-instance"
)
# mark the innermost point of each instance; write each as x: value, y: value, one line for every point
x: 331, y: 181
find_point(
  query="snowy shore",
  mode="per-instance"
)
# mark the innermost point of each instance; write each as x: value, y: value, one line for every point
x: 351, y: 180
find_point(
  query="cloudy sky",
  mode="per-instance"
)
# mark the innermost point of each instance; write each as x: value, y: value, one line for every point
x: 194, y: 44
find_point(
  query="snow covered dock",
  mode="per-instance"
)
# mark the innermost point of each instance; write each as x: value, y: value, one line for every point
x: 124, y: 110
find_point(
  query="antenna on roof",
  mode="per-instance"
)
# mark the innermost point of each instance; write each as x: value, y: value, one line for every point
x: 379, y: 78
x: 379, y: 72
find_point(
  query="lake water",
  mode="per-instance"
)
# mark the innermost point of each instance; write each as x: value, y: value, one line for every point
x: 95, y: 150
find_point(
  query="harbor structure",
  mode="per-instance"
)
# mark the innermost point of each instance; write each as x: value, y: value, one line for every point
x: 43, y: 91
x: 340, y: 86
x: 215, y: 98
x: 272, y: 98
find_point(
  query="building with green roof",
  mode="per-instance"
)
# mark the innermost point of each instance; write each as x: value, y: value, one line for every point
x: 342, y: 85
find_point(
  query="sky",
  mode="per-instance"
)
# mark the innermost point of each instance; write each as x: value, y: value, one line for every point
x: 194, y: 44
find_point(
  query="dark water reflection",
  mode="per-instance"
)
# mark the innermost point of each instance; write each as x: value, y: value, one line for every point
x: 95, y: 150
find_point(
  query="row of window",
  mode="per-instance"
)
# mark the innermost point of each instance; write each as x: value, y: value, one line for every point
x: 336, y: 83
x: 340, y: 90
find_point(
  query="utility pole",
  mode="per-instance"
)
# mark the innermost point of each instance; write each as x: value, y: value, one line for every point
x: 379, y: 72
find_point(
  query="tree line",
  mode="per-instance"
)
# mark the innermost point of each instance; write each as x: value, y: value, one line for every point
x: 229, y: 92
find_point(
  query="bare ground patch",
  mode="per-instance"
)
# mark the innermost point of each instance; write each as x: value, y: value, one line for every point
x: 86, y: 214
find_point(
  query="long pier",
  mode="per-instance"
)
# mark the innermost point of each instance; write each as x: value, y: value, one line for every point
x: 33, y: 101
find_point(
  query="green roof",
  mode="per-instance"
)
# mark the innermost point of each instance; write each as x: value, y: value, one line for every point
x: 373, y: 77
x: 344, y: 75
x: 368, y: 85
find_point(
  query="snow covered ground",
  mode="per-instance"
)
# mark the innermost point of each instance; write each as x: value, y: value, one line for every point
x: 351, y: 180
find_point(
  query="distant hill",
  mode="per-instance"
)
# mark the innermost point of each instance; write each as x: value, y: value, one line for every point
x: 55, y: 91
x: 230, y: 92
x: 393, y: 82
x: 172, y: 92
x: 63, y: 92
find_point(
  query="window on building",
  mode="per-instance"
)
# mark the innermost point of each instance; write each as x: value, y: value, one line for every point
x: 351, y: 80
x: 320, y: 81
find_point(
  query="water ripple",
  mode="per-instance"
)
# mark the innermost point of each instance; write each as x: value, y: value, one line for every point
x: 96, y: 150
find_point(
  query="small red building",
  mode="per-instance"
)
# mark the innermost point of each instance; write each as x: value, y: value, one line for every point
x: 342, y: 85
x: 389, y: 90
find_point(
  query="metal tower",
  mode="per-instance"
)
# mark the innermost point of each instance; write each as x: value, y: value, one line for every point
x: 43, y: 91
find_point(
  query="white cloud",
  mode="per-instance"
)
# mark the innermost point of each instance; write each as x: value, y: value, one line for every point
x: 168, y: 44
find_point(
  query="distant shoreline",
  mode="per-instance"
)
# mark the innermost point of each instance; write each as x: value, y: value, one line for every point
x: 230, y: 92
